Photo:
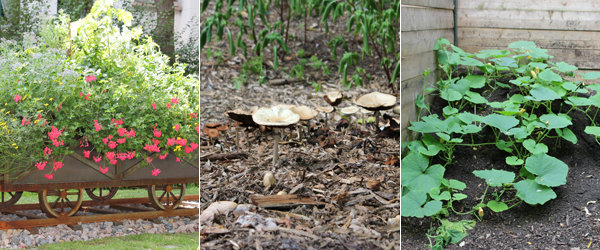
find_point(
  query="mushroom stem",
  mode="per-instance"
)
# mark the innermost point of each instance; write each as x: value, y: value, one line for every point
x: 377, y: 119
x: 276, y: 147
x: 326, y: 121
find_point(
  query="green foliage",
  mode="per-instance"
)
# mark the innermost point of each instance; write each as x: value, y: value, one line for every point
x: 522, y: 125
x: 377, y: 23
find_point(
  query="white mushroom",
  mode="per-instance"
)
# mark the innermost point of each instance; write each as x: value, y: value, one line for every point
x: 376, y: 101
x: 334, y: 97
x: 305, y: 113
x: 348, y: 111
x: 325, y: 110
x: 275, y: 117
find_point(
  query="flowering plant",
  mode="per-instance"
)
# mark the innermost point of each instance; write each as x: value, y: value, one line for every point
x: 105, y: 90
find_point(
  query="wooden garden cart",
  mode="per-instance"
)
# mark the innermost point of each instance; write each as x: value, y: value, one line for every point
x: 62, y: 195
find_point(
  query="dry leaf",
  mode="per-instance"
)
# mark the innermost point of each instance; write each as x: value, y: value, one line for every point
x: 373, y: 184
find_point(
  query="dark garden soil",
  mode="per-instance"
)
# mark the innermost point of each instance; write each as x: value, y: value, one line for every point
x: 354, y: 172
x: 571, y: 221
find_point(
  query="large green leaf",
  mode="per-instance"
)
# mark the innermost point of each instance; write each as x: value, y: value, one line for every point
x: 590, y: 75
x: 514, y: 161
x: 417, y: 176
x: 487, y: 53
x: 556, y: 121
x: 475, y: 97
x: 549, y: 76
x: 523, y: 45
x: 501, y: 122
x: 578, y: 101
x: 567, y: 134
x: 497, y: 206
x: 549, y: 171
x: 413, y: 205
x: 429, y: 124
x: 494, y: 177
x: 533, y: 193
x: 592, y: 130
x: 467, y: 61
x: 505, y: 62
x: 542, y: 93
x: 565, y: 67
x: 535, y: 148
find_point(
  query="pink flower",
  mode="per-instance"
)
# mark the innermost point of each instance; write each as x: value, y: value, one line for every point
x: 122, y: 131
x: 97, y: 159
x: 198, y: 128
x: 59, y: 107
x: 47, y: 152
x: 188, y: 150
x: 182, y: 142
x: 130, y: 155
x: 153, y: 105
x: 17, y: 98
x: 162, y: 157
x: 117, y: 122
x: 87, y: 97
x: 103, y: 170
x: 58, y: 143
x: 49, y: 176
x: 122, y: 156
x: 90, y: 78
x: 131, y: 133
x: 177, y: 159
x: 84, y: 143
x: 193, y: 146
x: 105, y: 140
x: 81, y: 94
x: 176, y: 127
x: 148, y: 159
x: 41, y: 165
x: 152, y: 148
x: 194, y: 115
x: 54, y: 133
x: 155, y: 141
x: 155, y: 172
x: 112, y: 144
x: 168, y: 105
x: 97, y: 125
x: 86, y: 153
x: 156, y: 132
x: 25, y: 121
x: 113, y: 161
x: 57, y: 165
x: 171, y: 141
x: 174, y: 100
x: 121, y: 140
x: 110, y: 155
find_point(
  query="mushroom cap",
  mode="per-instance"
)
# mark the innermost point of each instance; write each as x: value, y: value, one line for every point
x: 285, y: 106
x: 275, y: 117
x: 349, y: 110
x: 394, y: 121
x: 376, y: 101
x: 305, y: 112
x: 242, y: 116
x: 324, y: 109
x: 333, y: 97
x: 396, y: 109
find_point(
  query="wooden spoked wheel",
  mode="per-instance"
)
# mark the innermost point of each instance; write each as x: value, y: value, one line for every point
x: 101, y: 194
x: 7, y: 199
x: 60, y: 203
x: 166, y: 197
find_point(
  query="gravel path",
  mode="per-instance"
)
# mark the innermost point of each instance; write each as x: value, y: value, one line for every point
x: 19, y: 238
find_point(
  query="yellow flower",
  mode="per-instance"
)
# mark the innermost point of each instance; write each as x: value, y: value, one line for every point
x: 178, y: 148
x: 14, y: 144
x: 59, y: 83
x: 45, y: 104
x: 51, y: 99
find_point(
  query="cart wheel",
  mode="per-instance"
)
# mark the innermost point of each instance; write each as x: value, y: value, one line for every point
x: 166, y: 197
x: 7, y: 199
x: 101, y: 194
x: 60, y: 203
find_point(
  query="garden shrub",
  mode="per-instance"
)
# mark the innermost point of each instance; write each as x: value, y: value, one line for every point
x: 107, y: 90
x: 537, y: 111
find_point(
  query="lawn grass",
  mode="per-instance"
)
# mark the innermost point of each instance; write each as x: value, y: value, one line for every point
x: 140, y: 241
x: 31, y: 197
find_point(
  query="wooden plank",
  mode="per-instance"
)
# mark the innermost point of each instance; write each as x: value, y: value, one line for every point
x: 410, y: 88
x: 416, y: 18
x: 282, y: 201
x: 548, y: 39
x: 529, y: 19
x: 414, y: 65
x: 565, y: 5
x: 442, y: 4
x: 416, y: 42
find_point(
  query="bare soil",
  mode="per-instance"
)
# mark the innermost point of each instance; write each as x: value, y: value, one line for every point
x: 355, y: 215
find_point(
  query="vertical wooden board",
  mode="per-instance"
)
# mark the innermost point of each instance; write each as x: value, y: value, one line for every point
x: 416, y: 42
x: 410, y: 89
x: 419, y: 18
x: 526, y: 19
x: 442, y: 4
x: 414, y: 65
x: 547, y: 39
x: 564, y: 5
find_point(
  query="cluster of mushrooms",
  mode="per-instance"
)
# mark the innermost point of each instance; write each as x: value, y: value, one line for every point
x: 283, y: 115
